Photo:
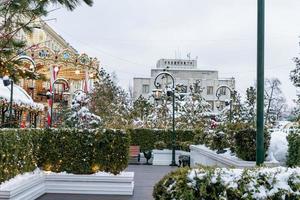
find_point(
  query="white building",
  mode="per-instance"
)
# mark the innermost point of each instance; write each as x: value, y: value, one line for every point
x: 186, y: 73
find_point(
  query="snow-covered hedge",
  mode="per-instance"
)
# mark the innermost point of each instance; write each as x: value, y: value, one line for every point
x: 230, y: 184
x: 17, y: 151
x: 59, y: 150
x: 146, y: 138
x: 293, y: 149
x: 83, y: 151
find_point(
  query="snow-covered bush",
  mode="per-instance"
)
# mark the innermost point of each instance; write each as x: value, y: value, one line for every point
x: 278, y: 149
x: 71, y: 150
x: 293, y: 149
x: 230, y: 184
x: 80, y: 115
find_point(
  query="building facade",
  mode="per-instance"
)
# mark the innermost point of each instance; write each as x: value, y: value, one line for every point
x: 186, y: 74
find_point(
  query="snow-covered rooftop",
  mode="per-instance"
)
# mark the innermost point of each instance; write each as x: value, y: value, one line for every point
x: 20, y: 96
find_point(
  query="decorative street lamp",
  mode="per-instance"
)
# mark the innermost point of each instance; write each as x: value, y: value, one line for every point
x: 218, y: 94
x: 52, y: 97
x: 157, y: 93
x: 6, y: 82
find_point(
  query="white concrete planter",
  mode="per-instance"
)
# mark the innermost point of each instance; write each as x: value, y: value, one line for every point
x: 39, y: 184
x: 202, y: 156
x: 28, y: 189
x: 164, y: 157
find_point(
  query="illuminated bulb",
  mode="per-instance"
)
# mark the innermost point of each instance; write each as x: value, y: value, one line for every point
x: 56, y: 69
x: 77, y: 72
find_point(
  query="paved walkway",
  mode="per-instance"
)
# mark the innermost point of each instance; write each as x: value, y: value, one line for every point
x: 145, y: 177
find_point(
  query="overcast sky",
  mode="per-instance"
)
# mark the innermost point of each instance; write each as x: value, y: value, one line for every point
x: 129, y: 36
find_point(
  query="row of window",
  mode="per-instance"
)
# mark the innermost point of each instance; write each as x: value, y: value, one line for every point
x: 209, y: 90
x: 178, y: 63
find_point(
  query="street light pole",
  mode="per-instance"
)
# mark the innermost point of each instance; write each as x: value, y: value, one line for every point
x: 260, y: 154
x: 11, y: 102
x: 156, y: 84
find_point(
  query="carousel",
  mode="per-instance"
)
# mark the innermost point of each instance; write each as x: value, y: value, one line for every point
x: 64, y: 73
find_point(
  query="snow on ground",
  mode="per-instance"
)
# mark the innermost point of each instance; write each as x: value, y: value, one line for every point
x: 278, y: 147
x: 12, y: 183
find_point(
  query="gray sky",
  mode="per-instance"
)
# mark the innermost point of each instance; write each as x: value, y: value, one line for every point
x: 129, y: 36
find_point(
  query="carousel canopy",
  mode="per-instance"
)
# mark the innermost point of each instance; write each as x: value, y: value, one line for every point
x: 20, y: 96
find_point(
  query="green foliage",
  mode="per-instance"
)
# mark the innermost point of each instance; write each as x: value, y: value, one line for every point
x: 293, y: 158
x: 71, y: 150
x: 78, y: 151
x: 185, y: 146
x: 219, y: 140
x: 141, y: 109
x: 110, y: 102
x: 160, y: 145
x: 245, y: 143
x: 200, y: 137
x: 17, y: 152
x: 146, y: 138
x: 228, y: 184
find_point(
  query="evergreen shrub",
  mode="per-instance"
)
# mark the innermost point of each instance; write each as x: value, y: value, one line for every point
x: 70, y: 150
x: 146, y: 138
x: 229, y: 184
x: 83, y: 151
x: 293, y: 158
x: 160, y: 145
x: 17, y: 151
x: 245, y: 143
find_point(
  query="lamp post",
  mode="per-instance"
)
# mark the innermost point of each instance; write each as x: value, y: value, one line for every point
x: 260, y: 154
x: 157, y: 95
x: 6, y: 82
x: 52, y: 97
x: 230, y: 101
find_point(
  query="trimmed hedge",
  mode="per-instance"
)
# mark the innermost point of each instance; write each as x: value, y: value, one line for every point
x: 146, y: 138
x: 245, y: 143
x: 17, y: 152
x: 230, y: 184
x: 293, y: 158
x: 71, y: 150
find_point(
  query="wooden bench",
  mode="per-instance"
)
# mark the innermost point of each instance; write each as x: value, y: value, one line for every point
x: 134, y: 154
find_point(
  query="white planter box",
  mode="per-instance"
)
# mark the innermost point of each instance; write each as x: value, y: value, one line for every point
x: 164, y: 157
x: 202, y: 156
x: 26, y: 189
x: 36, y: 185
x: 103, y: 183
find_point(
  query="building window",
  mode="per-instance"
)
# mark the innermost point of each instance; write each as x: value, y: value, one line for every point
x: 222, y: 91
x: 145, y: 89
x: 210, y: 90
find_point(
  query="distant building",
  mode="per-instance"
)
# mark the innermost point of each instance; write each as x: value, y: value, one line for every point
x: 186, y: 73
